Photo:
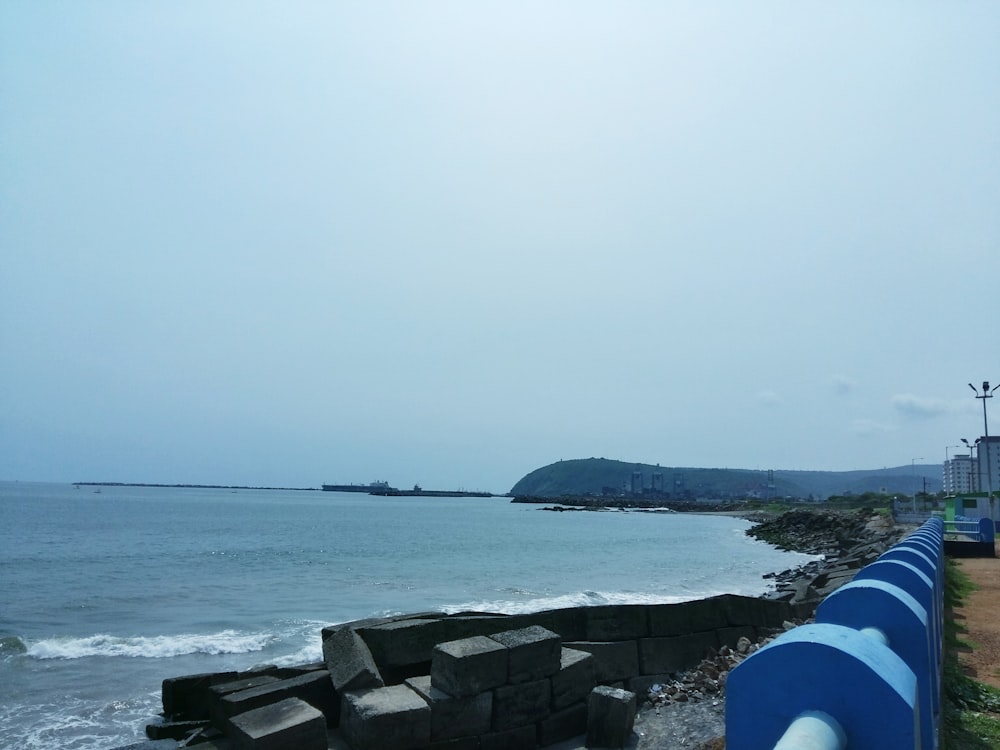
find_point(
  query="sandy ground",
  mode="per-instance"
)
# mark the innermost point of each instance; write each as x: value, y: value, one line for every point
x: 981, y: 618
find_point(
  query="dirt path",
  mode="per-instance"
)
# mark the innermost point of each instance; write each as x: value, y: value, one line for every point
x: 981, y: 618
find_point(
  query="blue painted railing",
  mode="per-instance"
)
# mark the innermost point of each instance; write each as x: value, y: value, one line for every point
x: 974, y: 529
x: 866, y: 675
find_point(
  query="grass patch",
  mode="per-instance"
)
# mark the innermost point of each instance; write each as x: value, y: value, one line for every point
x: 970, y: 710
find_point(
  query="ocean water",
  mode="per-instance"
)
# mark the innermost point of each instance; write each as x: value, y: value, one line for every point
x: 103, y: 595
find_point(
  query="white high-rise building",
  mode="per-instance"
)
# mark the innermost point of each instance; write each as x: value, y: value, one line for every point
x: 958, y: 475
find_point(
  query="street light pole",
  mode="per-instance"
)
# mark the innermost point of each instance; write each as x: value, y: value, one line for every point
x: 987, y: 393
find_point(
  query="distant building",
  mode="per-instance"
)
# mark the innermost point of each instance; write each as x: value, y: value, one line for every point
x: 657, y: 485
x: 958, y: 475
x: 636, y: 483
x: 987, y: 464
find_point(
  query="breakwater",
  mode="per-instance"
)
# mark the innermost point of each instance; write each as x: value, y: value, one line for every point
x: 377, y: 686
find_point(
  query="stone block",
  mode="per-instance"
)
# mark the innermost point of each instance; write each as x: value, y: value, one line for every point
x: 187, y: 697
x: 521, y: 738
x: 610, y: 717
x: 468, y: 666
x: 244, y: 683
x: 350, y: 662
x: 521, y: 704
x: 612, y: 661
x: 532, y: 653
x: 664, y: 655
x: 387, y: 718
x: 453, y: 717
x: 403, y: 643
x: 687, y: 617
x: 563, y: 725
x: 624, y: 622
x: 574, y: 680
x: 288, y: 723
x: 174, y: 730
x: 751, y: 610
x: 367, y: 622
x: 315, y: 688
x: 460, y: 743
x: 570, y: 623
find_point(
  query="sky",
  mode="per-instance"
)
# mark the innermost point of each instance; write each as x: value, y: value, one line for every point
x: 447, y: 243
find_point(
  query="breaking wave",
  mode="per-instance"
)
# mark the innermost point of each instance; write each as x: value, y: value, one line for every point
x: 150, y: 647
x: 579, y: 599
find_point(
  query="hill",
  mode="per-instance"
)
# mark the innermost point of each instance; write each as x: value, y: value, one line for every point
x: 602, y: 476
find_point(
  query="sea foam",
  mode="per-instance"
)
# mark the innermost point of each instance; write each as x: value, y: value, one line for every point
x: 150, y: 647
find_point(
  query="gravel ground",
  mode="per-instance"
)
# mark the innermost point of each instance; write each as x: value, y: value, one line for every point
x: 697, y: 725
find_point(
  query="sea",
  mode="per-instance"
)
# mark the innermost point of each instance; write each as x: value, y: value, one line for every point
x: 106, y: 591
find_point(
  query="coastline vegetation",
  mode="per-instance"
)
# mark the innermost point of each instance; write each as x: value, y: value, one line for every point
x: 970, y: 710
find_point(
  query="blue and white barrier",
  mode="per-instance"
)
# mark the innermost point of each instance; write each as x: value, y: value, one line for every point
x: 865, y: 676
x: 974, y: 529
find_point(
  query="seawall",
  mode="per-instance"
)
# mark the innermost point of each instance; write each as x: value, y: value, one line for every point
x: 631, y: 647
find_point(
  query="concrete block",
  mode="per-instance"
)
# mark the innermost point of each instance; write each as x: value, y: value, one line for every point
x: 453, y: 717
x: 695, y: 616
x: 364, y: 623
x: 664, y: 655
x: 563, y: 725
x: 404, y: 643
x: 315, y: 688
x: 286, y: 724
x: 468, y: 666
x: 532, y: 653
x: 388, y: 718
x: 624, y: 622
x: 187, y: 697
x: 521, y: 738
x: 570, y: 623
x: 751, y: 610
x: 610, y: 717
x: 612, y: 661
x: 574, y: 680
x: 521, y: 704
x: 459, y: 743
x: 174, y: 730
x: 350, y: 662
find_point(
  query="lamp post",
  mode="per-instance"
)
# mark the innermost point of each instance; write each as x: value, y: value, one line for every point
x: 913, y: 471
x: 987, y: 393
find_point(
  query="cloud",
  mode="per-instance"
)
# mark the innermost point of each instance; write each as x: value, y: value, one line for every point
x: 870, y: 427
x: 842, y: 385
x: 769, y: 398
x: 918, y: 406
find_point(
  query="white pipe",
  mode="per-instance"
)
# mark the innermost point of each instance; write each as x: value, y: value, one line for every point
x: 813, y: 730
x: 876, y: 634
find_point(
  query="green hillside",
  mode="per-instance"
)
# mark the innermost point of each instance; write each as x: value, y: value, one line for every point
x: 597, y: 476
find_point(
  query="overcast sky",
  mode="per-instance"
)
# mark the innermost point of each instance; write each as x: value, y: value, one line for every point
x: 447, y: 243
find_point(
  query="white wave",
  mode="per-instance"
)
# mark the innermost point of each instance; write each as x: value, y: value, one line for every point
x: 150, y: 647
x: 578, y: 599
x: 305, y: 655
